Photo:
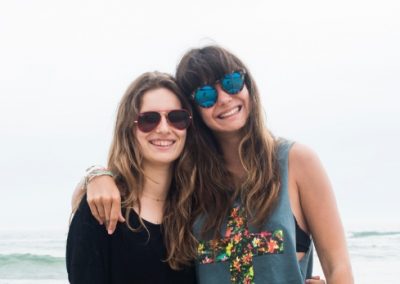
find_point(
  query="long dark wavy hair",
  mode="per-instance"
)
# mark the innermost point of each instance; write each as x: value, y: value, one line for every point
x: 125, y: 161
x: 215, y: 190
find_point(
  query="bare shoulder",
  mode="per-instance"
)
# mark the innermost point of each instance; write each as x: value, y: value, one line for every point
x: 303, y: 158
x: 306, y: 168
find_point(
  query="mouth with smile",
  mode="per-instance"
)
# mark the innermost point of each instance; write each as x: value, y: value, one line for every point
x: 162, y: 143
x: 230, y: 112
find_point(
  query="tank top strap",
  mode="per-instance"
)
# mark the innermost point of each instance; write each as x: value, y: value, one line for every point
x: 284, y: 146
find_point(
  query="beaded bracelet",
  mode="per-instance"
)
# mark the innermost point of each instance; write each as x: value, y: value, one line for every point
x: 95, y: 171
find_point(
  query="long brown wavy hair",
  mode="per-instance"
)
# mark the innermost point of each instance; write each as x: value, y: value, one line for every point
x: 215, y: 190
x: 125, y: 161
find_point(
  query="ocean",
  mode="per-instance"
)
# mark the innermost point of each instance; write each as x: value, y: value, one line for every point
x: 33, y: 257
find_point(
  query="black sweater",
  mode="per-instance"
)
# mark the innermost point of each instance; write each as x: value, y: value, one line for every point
x: 95, y: 257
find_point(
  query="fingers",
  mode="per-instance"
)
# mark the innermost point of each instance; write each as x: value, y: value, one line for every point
x: 121, y: 218
x: 100, y: 208
x: 315, y: 280
x: 115, y: 214
x: 95, y: 212
x: 107, y: 204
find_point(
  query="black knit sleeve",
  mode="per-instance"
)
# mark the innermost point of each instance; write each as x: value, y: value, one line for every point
x: 88, y: 245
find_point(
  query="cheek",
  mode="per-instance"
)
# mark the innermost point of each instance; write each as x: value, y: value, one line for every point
x: 247, y: 100
x: 246, y: 95
x: 205, y: 114
x: 140, y: 139
x: 248, y: 104
x: 183, y: 136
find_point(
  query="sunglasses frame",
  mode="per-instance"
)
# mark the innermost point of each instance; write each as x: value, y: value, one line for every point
x: 163, y: 113
x: 241, y: 72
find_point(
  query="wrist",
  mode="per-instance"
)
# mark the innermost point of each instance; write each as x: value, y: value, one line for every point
x: 96, y: 171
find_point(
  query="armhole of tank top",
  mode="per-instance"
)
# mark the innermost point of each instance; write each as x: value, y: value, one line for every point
x: 303, y: 240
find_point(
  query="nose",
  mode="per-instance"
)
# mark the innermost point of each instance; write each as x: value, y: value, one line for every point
x: 223, y: 97
x: 163, y: 126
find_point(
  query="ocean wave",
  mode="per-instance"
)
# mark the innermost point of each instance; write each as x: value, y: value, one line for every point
x: 365, y: 234
x: 31, y: 266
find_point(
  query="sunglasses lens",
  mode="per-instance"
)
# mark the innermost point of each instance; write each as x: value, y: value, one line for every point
x: 148, y: 121
x: 206, y: 96
x: 233, y: 83
x: 179, y: 119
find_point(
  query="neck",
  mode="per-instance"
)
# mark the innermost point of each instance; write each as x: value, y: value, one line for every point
x: 157, y: 182
x: 229, y: 143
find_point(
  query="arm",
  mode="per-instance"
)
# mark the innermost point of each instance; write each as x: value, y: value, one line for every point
x: 77, y: 195
x: 318, y: 206
x: 103, y: 198
x: 104, y: 201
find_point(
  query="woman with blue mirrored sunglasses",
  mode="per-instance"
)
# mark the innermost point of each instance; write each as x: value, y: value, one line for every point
x: 252, y: 226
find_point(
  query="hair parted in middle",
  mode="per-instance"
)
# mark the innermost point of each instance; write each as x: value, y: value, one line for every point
x: 125, y: 161
x: 259, y: 190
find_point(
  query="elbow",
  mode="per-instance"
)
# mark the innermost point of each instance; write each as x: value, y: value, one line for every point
x: 340, y: 274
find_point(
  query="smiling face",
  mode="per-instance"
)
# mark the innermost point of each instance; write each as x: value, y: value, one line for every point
x: 164, y: 144
x: 230, y: 112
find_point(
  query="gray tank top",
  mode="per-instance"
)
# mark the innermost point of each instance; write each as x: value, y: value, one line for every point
x: 248, y: 255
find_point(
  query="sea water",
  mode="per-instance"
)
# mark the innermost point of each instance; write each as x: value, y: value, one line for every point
x: 33, y: 257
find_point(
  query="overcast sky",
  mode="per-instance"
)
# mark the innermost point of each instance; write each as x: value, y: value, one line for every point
x: 328, y: 72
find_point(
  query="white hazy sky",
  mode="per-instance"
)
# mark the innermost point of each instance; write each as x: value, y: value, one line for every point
x: 328, y: 72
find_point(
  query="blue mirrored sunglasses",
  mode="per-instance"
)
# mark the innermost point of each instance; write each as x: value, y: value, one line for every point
x: 206, y: 96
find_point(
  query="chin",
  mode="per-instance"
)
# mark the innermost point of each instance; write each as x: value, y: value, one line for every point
x: 165, y: 160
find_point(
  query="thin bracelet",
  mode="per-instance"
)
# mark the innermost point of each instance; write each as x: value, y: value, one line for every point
x: 95, y: 171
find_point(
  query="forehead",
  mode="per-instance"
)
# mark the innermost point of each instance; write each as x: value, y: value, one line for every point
x: 211, y: 75
x: 213, y: 65
x: 159, y: 99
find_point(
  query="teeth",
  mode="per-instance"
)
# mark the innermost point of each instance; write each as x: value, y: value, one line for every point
x: 162, y: 143
x: 229, y: 113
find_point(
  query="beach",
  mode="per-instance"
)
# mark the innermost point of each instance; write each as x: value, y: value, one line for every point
x: 33, y: 257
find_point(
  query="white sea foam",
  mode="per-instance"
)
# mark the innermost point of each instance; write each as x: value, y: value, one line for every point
x: 375, y: 256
